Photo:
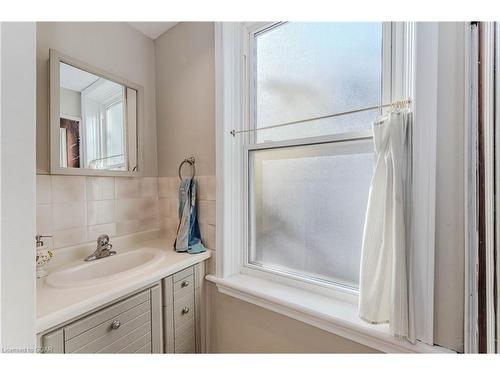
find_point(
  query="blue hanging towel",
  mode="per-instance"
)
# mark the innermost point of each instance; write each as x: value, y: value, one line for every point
x: 188, y: 232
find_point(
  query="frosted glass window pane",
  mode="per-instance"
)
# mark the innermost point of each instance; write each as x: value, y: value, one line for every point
x: 307, y: 208
x: 307, y: 70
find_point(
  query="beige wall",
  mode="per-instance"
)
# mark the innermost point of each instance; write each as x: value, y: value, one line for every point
x: 241, y: 327
x: 113, y: 47
x: 185, y: 97
x: 449, y: 279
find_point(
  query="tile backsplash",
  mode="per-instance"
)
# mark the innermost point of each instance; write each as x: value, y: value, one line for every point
x: 77, y: 209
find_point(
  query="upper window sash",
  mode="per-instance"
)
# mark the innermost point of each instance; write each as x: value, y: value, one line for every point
x: 249, y: 33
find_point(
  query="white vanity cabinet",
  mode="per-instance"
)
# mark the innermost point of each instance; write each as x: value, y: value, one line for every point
x: 163, y: 318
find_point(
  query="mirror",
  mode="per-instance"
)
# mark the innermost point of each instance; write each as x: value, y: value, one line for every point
x: 94, y: 121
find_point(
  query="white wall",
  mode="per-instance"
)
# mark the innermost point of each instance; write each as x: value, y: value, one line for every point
x: 450, y: 245
x: 112, y: 46
x: 71, y: 102
x: 17, y: 185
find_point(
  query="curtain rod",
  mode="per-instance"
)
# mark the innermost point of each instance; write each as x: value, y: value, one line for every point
x: 400, y: 104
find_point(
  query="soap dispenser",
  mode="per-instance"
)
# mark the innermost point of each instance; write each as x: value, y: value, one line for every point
x: 43, y: 256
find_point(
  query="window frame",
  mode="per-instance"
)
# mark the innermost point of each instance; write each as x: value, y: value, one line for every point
x: 324, y: 287
x: 414, y: 55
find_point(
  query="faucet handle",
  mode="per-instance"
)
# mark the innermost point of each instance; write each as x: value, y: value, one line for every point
x: 38, y: 239
x: 103, y: 240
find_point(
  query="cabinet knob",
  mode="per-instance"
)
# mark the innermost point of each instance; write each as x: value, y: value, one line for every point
x: 185, y: 310
x: 184, y: 284
x: 115, y: 324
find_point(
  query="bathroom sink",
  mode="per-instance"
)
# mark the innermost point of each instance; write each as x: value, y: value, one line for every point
x: 106, y: 269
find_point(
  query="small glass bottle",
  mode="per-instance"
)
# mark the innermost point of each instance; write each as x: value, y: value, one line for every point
x: 43, y: 256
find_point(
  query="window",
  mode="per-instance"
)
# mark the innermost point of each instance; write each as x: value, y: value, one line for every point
x: 308, y: 181
x: 115, y: 137
x: 104, y: 103
x: 252, y: 263
x: 309, y: 70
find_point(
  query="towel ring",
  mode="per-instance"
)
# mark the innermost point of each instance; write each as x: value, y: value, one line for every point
x: 190, y: 161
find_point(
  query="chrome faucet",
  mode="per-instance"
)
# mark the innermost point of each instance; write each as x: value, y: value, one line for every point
x: 103, y: 249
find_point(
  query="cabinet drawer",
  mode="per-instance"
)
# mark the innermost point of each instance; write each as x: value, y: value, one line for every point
x: 182, y: 274
x: 177, y: 285
x: 105, y: 315
x: 184, y: 310
x: 183, y: 287
x: 133, y: 324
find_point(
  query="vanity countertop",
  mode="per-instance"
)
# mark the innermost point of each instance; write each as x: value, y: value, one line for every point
x: 58, y: 305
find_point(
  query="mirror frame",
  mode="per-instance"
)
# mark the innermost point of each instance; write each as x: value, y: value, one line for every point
x: 54, y: 121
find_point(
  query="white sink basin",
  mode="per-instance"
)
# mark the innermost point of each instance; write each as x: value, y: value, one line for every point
x: 106, y: 269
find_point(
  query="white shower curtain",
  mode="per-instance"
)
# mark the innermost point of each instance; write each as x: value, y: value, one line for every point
x: 384, y: 293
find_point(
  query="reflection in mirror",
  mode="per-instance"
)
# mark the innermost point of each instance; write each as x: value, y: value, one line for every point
x: 97, y: 123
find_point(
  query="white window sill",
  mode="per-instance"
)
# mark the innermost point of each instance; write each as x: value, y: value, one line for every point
x: 332, y: 315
